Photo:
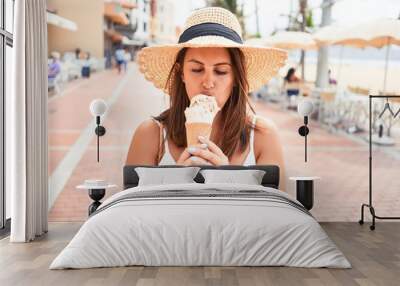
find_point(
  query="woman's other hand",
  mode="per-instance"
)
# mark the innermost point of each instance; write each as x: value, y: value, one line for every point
x: 211, y: 155
x: 186, y: 158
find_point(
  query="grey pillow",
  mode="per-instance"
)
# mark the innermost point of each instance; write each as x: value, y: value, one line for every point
x: 163, y: 176
x: 249, y: 177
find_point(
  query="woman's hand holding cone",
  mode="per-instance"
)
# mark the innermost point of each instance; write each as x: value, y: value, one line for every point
x: 213, y: 155
x: 186, y: 158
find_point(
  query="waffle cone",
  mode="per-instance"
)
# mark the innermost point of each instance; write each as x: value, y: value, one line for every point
x: 196, y: 129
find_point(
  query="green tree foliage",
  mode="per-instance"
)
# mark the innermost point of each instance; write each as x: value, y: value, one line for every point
x: 309, y: 19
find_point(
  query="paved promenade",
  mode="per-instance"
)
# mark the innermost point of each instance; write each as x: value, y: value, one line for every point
x: 340, y: 161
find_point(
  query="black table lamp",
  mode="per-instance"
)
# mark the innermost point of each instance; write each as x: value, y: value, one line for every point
x: 97, y: 108
x: 305, y: 108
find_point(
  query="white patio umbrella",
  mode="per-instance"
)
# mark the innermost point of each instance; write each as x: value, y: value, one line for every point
x: 292, y: 40
x: 329, y: 34
x: 256, y: 42
x: 376, y: 33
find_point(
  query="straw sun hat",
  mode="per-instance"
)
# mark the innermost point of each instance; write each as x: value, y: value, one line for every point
x: 211, y: 27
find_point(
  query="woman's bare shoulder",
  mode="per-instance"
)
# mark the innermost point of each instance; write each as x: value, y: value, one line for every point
x: 148, y: 128
x: 267, y: 143
x: 265, y: 126
x: 144, y: 145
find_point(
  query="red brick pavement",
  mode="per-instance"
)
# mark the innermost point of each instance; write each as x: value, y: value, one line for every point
x: 341, y: 163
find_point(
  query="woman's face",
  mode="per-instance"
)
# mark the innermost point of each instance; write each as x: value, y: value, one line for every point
x: 208, y: 71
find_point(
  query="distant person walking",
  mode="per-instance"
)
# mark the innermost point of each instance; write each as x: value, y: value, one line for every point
x: 86, y: 66
x: 77, y: 53
x: 120, y: 58
x: 54, y: 66
x: 54, y: 69
x: 127, y: 58
x: 331, y: 79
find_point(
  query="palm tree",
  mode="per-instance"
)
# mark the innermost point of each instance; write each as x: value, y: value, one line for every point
x: 232, y: 6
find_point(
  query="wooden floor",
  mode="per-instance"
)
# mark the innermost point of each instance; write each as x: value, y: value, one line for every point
x: 374, y: 255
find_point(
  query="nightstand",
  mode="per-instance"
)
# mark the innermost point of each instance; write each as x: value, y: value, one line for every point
x: 96, y: 190
x: 305, y: 190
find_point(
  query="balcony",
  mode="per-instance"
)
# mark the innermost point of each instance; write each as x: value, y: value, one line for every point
x: 115, y: 12
x: 126, y: 30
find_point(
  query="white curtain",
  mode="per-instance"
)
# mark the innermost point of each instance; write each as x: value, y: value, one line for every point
x: 26, y: 123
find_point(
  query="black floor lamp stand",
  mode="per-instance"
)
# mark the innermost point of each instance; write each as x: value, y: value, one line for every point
x: 369, y: 205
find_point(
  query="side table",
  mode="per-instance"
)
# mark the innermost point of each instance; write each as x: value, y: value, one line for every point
x: 96, y: 190
x: 305, y: 190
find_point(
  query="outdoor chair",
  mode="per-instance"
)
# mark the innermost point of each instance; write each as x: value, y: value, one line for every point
x: 54, y: 85
x: 327, y: 110
x: 356, y: 118
x: 273, y: 91
x: 260, y: 94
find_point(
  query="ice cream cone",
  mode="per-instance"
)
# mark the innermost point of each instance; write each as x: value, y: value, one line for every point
x: 199, y: 117
x: 196, y: 129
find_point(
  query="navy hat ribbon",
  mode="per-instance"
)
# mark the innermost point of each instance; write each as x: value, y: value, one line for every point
x: 209, y: 29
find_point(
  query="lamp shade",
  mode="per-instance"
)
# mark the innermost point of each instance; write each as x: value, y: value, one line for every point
x: 305, y: 107
x: 98, y: 107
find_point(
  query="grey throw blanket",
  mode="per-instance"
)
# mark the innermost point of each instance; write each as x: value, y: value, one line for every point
x: 205, y: 193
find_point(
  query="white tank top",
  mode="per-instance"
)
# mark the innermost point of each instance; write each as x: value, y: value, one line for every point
x: 167, y: 158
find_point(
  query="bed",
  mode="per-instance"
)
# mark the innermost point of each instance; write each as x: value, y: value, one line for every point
x: 201, y: 224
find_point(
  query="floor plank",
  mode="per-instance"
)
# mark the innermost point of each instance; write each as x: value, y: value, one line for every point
x: 374, y: 255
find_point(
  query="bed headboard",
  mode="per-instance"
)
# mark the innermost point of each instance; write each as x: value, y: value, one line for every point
x: 270, y: 179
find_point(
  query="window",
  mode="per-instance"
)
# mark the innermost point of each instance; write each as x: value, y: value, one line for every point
x: 9, y: 11
x: 6, y: 43
x: 144, y: 26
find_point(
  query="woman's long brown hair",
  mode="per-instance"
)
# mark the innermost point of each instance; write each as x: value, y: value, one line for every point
x: 235, y: 125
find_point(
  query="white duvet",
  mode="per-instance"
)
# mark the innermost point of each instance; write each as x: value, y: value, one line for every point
x: 182, y: 231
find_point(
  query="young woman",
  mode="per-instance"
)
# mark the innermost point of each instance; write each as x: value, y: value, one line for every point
x: 292, y: 83
x: 209, y: 59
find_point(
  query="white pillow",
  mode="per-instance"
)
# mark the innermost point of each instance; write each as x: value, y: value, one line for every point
x: 249, y: 177
x: 164, y: 176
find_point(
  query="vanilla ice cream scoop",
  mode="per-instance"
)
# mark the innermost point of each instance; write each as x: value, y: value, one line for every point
x: 202, y: 109
x: 199, y: 117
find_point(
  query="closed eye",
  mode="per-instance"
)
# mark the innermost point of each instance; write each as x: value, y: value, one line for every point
x: 221, y: 72
x: 217, y: 72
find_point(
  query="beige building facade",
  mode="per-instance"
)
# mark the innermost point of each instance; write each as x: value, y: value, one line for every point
x: 163, y: 29
x: 89, y: 36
